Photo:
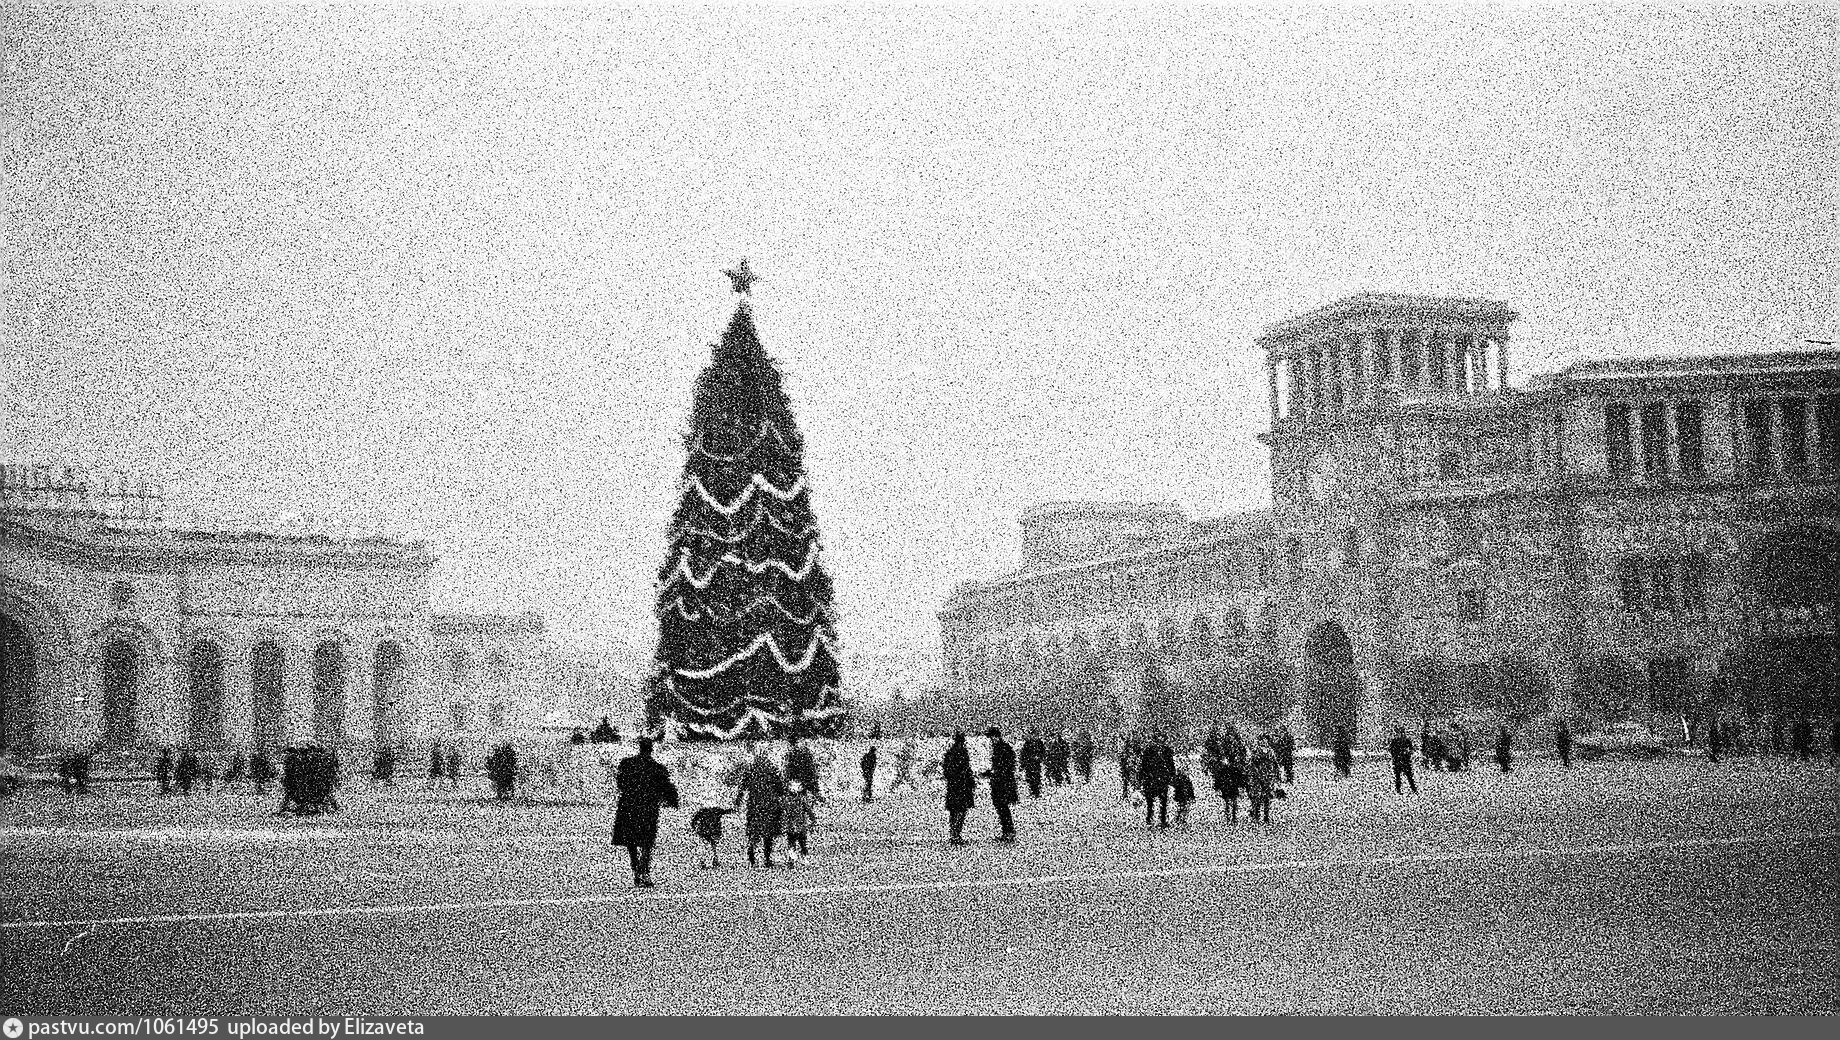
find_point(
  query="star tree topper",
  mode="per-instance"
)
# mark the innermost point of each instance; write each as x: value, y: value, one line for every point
x: 742, y: 277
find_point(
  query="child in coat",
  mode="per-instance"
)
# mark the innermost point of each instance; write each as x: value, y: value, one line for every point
x: 800, y: 815
x: 706, y: 823
x: 1184, y: 794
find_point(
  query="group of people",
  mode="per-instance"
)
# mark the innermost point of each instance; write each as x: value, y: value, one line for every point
x: 1725, y: 736
x: 181, y: 770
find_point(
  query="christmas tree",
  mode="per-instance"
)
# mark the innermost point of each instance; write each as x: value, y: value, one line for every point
x: 746, y: 635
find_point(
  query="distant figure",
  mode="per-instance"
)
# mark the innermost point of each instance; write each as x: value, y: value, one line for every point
x: 1032, y: 754
x: 961, y: 787
x: 1431, y: 749
x: 1059, y: 754
x: 1400, y: 747
x: 1156, y: 770
x: 801, y: 767
x: 1083, y: 755
x: 1343, y: 754
x: 605, y: 733
x: 437, y: 765
x: 1715, y: 739
x: 763, y: 787
x: 868, y: 775
x: 1184, y: 789
x: 706, y: 824
x: 1262, y: 773
x: 383, y: 767
x: 261, y: 771
x: 1801, y: 738
x: 185, y: 774
x: 1562, y: 739
x: 73, y: 772
x: 1002, y: 774
x: 236, y: 770
x: 1504, y: 750
x: 904, y: 760
x: 501, y: 767
x: 1129, y: 751
x: 1425, y: 747
x: 644, y: 786
x: 1284, y: 745
x: 453, y: 767
x: 164, y: 770
x: 801, y: 816
x: 1465, y: 747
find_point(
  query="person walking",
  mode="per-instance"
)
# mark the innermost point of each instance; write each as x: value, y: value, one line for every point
x: 1284, y: 745
x: 185, y: 774
x: 453, y: 767
x: 1002, y: 774
x: 1128, y: 752
x: 1400, y: 747
x: 961, y: 787
x: 868, y: 775
x: 164, y: 770
x: 1184, y: 790
x: 1032, y: 754
x: 1262, y: 772
x: 644, y: 786
x: 763, y: 787
x: 1504, y: 750
x: 1562, y: 739
x: 1343, y: 753
x: 1801, y: 739
x: 1083, y: 755
x: 801, y: 767
x: 801, y: 816
x: 1060, y: 753
x: 436, y: 765
x: 1156, y: 770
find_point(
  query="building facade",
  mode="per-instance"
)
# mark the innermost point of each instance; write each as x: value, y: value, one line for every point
x: 1666, y: 528
x: 119, y: 632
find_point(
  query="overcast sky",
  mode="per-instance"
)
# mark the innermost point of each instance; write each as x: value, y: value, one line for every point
x: 449, y: 272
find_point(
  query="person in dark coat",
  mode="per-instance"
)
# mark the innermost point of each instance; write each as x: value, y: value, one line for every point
x: 763, y: 787
x: 1156, y: 770
x: 383, y: 767
x: 185, y: 773
x: 1032, y: 754
x: 261, y: 771
x: 1562, y: 739
x: 868, y: 775
x: 1129, y: 751
x: 1400, y: 747
x: 501, y: 766
x: 1284, y: 744
x: 1343, y: 753
x: 164, y: 770
x: 801, y: 767
x: 1504, y: 750
x: 1801, y: 739
x: 1715, y: 739
x: 961, y: 786
x: 1002, y: 774
x: 1083, y: 755
x: 644, y: 786
x: 1059, y: 754
x: 453, y: 768
x: 437, y: 765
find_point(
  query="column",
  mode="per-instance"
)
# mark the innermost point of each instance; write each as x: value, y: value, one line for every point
x: 1670, y: 440
x: 1318, y: 399
x: 1469, y: 364
x: 1297, y: 404
x: 1271, y: 382
x: 238, y: 702
x: 1371, y: 346
x: 1638, y: 466
x: 1501, y: 364
x: 1427, y: 358
x: 1353, y: 350
x: 1776, y: 467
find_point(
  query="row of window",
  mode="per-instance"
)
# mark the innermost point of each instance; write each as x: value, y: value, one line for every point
x: 1782, y: 436
x: 1202, y: 639
x: 1662, y: 584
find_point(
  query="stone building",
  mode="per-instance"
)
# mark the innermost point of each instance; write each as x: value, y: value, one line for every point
x: 118, y: 631
x: 1663, y: 527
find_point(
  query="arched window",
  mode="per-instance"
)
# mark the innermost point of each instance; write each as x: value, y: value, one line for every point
x: 386, y: 690
x: 267, y: 695
x: 121, y: 679
x: 329, y: 693
x: 205, y: 683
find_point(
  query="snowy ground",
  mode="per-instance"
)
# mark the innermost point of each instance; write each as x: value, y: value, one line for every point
x: 1676, y: 887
